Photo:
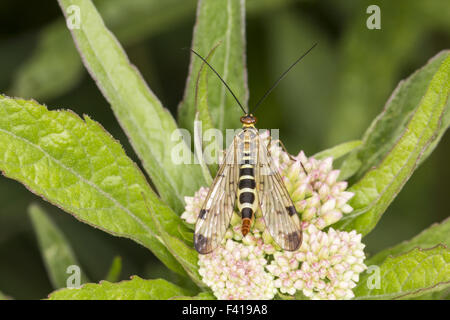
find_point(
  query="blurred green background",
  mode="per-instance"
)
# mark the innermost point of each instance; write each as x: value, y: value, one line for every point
x: 331, y: 97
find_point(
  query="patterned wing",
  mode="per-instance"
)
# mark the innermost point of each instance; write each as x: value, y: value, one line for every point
x: 216, y: 212
x: 277, y: 208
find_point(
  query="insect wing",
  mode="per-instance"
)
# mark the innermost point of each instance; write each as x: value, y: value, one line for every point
x: 279, y: 213
x: 216, y: 212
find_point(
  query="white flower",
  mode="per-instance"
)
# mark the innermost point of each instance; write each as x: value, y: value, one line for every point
x: 317, y: 195
x: 235, y: 271
x: 326, y: 266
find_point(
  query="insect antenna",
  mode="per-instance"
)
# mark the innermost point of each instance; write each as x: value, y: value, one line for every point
x: 279, y: 79
x: 223, y: 81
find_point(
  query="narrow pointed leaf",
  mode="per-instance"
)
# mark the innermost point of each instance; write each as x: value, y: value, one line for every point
x: 115, y: 270
x: 203, y: 126
x: 55, y: 248
x: 203, y: 115
x: 385, y: 131
x: 148, y: 125
x: 187, y: 234
x: 223, y: 23
x: 386, y: 166
x: 76, y: 165
x: 445, y: 124
x: 408, y: 275
x: 201, y: 93
x: 134, y: 289
x: 198, y: 146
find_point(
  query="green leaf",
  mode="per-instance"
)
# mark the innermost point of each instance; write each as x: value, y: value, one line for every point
x: 411, y: 274
x: 201, y: 93
x: 338, y: 151
x: 391, y: 123
x: 55, y: 67
x: 134, y: 289
x: 115, y: 270
x: 218, y: 22
x: 185, y: 254
x: 394, y: 144
x: 438, y: 233
x: 198, y: 146
x: 445, y: 124
x: 435, y: 295
x: 200, y: 296
x: 203, y: 117
x: 55, y: 248
x: 149, y: 126
x: 186, y: 234
x: 79, y: 167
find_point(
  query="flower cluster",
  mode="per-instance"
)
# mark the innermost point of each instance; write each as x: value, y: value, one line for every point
x: 236, y: 271
x: 317, y: 194
x: 326, y: 266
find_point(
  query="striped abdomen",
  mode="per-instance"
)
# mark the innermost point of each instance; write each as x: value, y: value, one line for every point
x: 247, y: 201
